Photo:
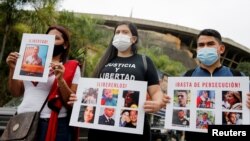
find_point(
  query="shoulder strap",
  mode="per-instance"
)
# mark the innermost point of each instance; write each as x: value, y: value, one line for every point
x: 189, y: 72
x: 235, y: 72
x: 145, y: 64
x: 44, y: 104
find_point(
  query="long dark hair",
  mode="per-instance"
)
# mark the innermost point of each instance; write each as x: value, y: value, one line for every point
x: 65, y: 35
x: 111, y: 51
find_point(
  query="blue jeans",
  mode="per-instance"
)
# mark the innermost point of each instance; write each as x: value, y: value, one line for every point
x: 63, y: 130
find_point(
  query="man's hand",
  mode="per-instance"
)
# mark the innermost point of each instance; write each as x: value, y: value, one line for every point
x: 166, y: 99
x: 152, y: 106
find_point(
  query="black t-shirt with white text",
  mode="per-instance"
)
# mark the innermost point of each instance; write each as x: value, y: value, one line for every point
x: 130, y: 68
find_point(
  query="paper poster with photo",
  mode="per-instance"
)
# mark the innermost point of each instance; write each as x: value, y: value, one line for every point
x: 112, y: 105
x: 197, y: 102
x: 35, y: 57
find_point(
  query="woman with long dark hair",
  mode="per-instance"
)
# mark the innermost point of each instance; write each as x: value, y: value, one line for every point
x: 62, y: 81
x: 121, y: 61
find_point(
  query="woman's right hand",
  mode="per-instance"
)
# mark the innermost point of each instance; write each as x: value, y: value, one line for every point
x: 72, y: 99
x: 12, y: 59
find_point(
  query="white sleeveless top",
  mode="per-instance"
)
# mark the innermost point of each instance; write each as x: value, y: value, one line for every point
x: 34, y: 96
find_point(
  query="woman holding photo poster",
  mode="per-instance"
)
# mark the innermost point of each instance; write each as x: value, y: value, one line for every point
x: 121, y: 61
x: 62, y: 81
x: 123, y: 51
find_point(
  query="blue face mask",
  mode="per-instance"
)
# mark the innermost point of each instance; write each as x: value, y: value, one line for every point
x: 207, y: 55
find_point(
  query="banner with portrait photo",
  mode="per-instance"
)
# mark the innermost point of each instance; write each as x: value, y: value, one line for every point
x: 112, y: 105
x: 198, y: 102
x: 35, y: 57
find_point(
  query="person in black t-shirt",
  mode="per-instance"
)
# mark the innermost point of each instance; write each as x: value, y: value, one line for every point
x: 121, y: 61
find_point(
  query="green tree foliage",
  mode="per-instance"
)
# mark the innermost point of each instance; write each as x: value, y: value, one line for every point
x: 43, y: 15
x: 85, y: 37
x: 14, y: 21
x: 163, y: 62
x: 9, y: 17
x: 244, y: 67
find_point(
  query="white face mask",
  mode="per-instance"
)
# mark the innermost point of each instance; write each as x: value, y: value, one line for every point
x: 121, y: 42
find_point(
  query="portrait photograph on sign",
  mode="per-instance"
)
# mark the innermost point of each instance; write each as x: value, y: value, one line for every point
x: 112, y: 105
x: 128, y: 118
x: 107, y: 116
x: 203, y: 101
x: 86, y: 114
x: 231, y: 118
x: 131, y: 98
x: 90, y: 96
x: 109, y: 97
x: 232, y: 100
x: 204, y: 118
x: 181, y: 117
x: 35, y: 57
x: 181, y: 98
x: 34, y: 60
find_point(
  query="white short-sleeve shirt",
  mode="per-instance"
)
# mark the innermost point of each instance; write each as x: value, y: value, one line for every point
x: 34, y: 96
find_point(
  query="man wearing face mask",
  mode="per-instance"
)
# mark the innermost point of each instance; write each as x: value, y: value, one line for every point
x: 209, y: 50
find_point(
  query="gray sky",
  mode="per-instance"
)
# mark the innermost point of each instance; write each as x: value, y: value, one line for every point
x: 230, y: 17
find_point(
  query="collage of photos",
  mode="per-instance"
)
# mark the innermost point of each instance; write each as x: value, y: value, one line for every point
x: 205, y: 106
x: 205, y: 101
x: 201, y: 102
x: 129, y: 112
x: 107, y: 107
x: 111, y: 105
x: 181, y: 111
x: 231, y: 107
